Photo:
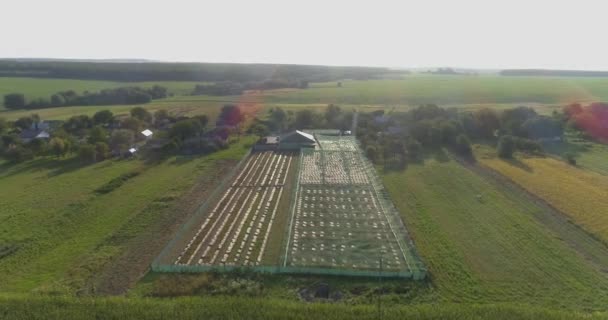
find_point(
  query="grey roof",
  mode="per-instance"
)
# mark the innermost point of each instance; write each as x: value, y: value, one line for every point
x: 32, y: 134
x: 298, y: 136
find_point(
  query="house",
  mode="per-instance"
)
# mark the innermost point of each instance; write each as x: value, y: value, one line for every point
x: 296, y: 140
x: 28, y: 135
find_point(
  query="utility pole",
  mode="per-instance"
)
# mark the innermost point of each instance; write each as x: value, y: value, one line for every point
x: 380, y: 316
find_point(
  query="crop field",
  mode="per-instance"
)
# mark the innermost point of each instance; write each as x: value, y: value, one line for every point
x: 237, y: 228
x: 34, y: 88
x: 503, y: 246
x: 340, y: 219
x: 448, y: 90
x: 579, y: 193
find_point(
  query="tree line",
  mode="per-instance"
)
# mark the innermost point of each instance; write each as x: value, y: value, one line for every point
x: 115, y: 96
x: 395, y: 137
x: 152, y: 71
x: 105, y: 135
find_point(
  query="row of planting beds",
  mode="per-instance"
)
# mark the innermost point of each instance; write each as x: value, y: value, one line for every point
x: 237, y: 228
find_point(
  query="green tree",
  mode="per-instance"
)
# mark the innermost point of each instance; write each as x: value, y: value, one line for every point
x: 278, y: 119
x: 304, y: 119
x: 141, y: 114
x: 160, y: 116
x: 3, y: 125
x: 121, y: 140
x: 87, y: 153
x: 58, y: 146
x: 18, y: 154
x: 24, y: 123
x: 14, y: 101
x: 37, y: 146
x: 132, y: 123
x: 259, y: 130
x: 202, y: 119
x: 506, y: 146
x: 97, y: 134
x: 103, y: 117
x: 463, y: 145
x: 78, y: 125
x: 486, y: 122
x: 185, y: 129
x: 57, y: 100
x: 332, y: 115
x: 102, y: 150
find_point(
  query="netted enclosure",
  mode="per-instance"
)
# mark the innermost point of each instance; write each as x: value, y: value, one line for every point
x: 342, y: 218
x: 319, y: 211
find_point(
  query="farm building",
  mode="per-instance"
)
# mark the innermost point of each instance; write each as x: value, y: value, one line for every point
x: 296, y: 140
x: 290, y: 141
x: 31, y: 134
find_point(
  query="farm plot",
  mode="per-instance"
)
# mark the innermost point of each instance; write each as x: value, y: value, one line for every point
x: 236, y: 229
x: 340, y: 219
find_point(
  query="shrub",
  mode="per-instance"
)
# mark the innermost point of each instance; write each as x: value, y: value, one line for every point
x: 14, y: 101
x: 506, y: 146
x: 87, y: 153
x: 463, y: 145
x: 118, y: 181
x: 18, y: 154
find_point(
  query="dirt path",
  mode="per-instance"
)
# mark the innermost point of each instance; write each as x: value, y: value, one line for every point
x: 123, y: 273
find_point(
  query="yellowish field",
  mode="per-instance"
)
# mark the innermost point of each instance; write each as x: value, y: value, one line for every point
x: 581, y: 194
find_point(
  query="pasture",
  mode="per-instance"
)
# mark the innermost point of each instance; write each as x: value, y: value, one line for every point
x: 65, y: 232
x: 414, y: 90
x: 175, y: 107
x: 580, y: 194
x: 35, y: 88
x: 500, y: 247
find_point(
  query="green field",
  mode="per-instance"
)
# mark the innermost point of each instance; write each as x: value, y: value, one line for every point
x: 34, y: 88
x: 65, y: 232
x: 503, y: 255
x: 502, y: 248
x: 252, y: 308
x: 589, y: 155
x: 449, y: 90
x: 178, y: 107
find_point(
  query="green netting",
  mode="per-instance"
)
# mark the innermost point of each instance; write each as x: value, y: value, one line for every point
x: 341, y: 221
x: 342, y: 217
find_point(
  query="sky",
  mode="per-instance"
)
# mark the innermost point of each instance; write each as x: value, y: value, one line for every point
x: 406, y: 33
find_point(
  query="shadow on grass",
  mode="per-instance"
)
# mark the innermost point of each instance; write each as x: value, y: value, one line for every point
x: 56, y: 165
x: 519, y: 164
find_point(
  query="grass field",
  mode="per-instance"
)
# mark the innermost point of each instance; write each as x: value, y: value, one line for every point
x: 589, y: 155
x: 493, y: 250
x: 65, y: 232
x: 448, y: 90
x: 579, y: 193
x: 176, y: 107
x: 252, y: 308
x: 34, y: 88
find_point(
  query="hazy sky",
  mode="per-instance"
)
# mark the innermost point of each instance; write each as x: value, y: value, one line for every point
x: 417, y: 33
